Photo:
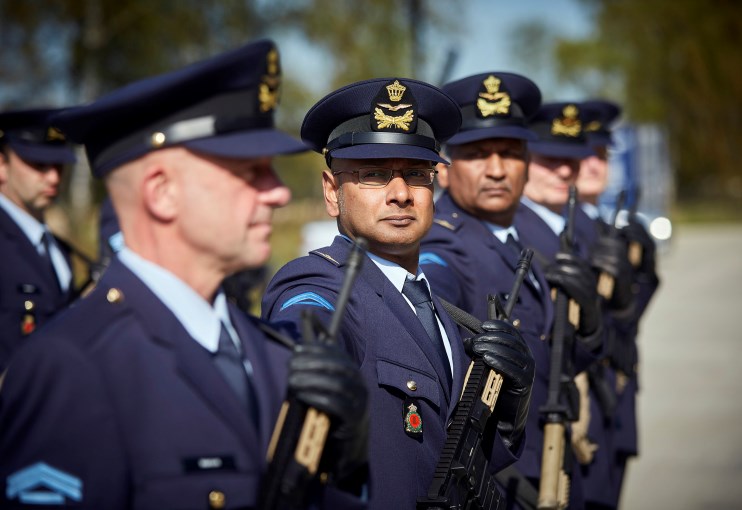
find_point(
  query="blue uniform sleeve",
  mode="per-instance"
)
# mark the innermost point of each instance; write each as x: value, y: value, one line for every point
x: 59, y: 443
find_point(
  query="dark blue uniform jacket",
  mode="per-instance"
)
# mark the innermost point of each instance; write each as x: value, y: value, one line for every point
x: 465, y: 262
x: 125, y: 407
x: 397, y: 360
x: 24, y: 277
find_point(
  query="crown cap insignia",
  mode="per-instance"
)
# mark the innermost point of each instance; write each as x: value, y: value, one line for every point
x: 569, y: 124
x: 492, y: 101
x: 54, y: 134
x: 269, y: 89
x: 492, y: 84
x: 396, y: 91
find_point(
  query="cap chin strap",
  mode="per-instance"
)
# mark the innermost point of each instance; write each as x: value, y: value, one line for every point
x: 373, y: 137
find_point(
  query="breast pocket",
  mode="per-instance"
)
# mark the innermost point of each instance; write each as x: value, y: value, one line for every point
x: 409, y: 381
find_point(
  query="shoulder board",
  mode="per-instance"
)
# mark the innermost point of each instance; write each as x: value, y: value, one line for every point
x: 325, y: 256
x: 450, y: 224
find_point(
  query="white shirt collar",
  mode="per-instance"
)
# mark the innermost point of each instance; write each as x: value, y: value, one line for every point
x: 591, y: 210
x: 396, y: 273
x: 34, y: 231
x: 27, y: 223
x: 198, y: 317
x: 501, y: 232
x: 555, y: 221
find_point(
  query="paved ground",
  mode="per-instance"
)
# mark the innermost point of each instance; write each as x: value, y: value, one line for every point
x: 691, y: 398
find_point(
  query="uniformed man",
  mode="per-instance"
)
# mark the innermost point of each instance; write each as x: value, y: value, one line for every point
x: 554, y: 167
x: 153, y: 392
x: 36, y: 273
x: 380, y: 139
x: 473, y: 248
x: 633, y: 287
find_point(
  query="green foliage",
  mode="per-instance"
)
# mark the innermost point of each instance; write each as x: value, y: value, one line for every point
x: 675, y: 62
x: 68, y: 51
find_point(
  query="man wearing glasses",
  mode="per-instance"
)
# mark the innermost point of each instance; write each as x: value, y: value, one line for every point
x: 380, y: 139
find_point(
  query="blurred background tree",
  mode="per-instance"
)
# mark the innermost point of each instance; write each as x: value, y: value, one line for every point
x: 677, y: 63
x: 671, y: 62
x: 61, y: 52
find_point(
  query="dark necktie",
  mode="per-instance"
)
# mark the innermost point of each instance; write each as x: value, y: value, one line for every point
x: 229, y: 362
x: 417, y: 292
x: 46, y: 258
x: 513, y: 244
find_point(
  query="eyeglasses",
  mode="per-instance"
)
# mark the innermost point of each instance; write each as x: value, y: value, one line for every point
x: 378, y: 177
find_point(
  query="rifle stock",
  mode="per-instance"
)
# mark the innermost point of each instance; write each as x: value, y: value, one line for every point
x: 295, y: 452
x: 461, y: 479
x: 554, y: 481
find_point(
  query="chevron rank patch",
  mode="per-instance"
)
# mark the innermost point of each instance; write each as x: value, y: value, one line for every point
x: 42, y: 484
x: 427, y: 257
x: 308, y: 299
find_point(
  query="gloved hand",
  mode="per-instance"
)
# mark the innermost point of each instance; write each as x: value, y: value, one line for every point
x: 635, y: 231
x: 610, y: 256
x: 503, y: 349
x: 325, y: 378
x: 575, y: 277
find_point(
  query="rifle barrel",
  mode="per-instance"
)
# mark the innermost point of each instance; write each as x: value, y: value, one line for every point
x: 354, y: 264
x: 524, y: 264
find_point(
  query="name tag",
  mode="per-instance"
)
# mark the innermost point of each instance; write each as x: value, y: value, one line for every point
x: 211, y: 463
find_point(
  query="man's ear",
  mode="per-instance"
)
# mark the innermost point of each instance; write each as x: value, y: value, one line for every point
x: 331, y: 190
x: 3, y: 167
x: 160, y: 192
x: 442, y: 175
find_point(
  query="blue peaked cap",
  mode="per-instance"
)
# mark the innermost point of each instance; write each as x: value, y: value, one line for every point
x: 222, y: 106
x: 494, y: 105
x: 382, y: 118
x: 561, y: 131
x: 31, y: 135
x: 599, y: 115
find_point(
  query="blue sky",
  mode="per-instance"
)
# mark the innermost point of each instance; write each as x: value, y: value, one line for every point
x: 482, y: 40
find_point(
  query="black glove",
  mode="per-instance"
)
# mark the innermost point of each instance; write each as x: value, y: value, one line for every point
x: 609, y: 255
x: 325, y: 378
x: 503, y: 349
x: 635, y: 232
x: 575, y: 277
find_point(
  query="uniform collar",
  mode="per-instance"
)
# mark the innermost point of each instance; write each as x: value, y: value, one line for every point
x: 591, y: 210
x: 198, y: 317
x: 501, y: 232
x: 396, y: 273
x: 553, y: 220
x: 27, y: 223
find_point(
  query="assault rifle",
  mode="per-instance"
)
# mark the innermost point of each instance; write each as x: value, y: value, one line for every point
x: 554, y: 483
x: 295, y: 452
x: 462, y: 480
x: 635, y: 248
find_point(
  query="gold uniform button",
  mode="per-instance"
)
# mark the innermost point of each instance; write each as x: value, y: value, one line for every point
x: 28, y: 305
x: 412, y: 385
x: 217, y: 500
x: 114, y: 295
x: 516, y: 323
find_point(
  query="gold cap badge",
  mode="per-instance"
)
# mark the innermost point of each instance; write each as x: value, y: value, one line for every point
x: 493, y: 101
x: 569, y: 124
x: 269, y: 89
